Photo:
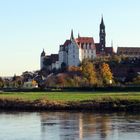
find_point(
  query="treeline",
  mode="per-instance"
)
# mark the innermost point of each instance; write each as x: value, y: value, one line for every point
x: 86, y: 75
x: 90, y: 73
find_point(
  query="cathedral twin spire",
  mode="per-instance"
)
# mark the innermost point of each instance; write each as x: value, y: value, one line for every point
x: 72, y: 36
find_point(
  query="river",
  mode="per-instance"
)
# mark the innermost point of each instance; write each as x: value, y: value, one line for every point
x: 69, y: 126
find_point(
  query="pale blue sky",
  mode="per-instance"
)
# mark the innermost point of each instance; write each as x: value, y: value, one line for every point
x: 28, y: 26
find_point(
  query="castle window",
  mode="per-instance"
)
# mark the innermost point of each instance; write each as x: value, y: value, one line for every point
x: 89, y: 45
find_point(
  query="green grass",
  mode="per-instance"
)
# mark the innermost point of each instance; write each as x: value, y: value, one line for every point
x: 70, y: 96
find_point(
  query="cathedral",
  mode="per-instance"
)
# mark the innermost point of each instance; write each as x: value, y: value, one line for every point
x: 74, y: 50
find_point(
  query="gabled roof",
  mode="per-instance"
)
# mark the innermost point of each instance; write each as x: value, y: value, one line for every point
x: 85, y: 40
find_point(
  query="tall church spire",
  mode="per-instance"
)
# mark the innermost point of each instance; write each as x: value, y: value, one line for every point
x: 72, y: 36
x: 102, y: 22
x: 102, y: 36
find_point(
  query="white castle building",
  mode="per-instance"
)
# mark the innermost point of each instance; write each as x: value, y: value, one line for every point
x: 71, y: 53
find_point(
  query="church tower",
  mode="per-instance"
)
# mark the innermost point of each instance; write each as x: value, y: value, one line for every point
x: 102, y: 36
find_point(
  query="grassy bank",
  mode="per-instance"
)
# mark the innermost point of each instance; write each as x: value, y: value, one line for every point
x: 129, y: 101
x: 70, y: 96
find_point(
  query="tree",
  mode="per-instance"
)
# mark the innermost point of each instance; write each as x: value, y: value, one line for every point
x: 17, y: 81
x: 106, y: 74
x: 137, y: 80
x: 1, y: 83
x: 131, y: 74
x: 89, y: 73
x: 60, y: 80
x: 73, y: 69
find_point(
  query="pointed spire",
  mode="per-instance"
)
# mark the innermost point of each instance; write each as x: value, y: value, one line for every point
x: 43, y: 53
x: 102, y: 21
x: 78, y: 35
x: 111, y: 43
x: 72, y: 36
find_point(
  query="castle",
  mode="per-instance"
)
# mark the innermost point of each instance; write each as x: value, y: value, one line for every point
x: 74, y: 50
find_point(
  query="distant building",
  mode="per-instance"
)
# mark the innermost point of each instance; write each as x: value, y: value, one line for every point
x: 74, y: 50
x: 129, y: 51
x: 49, y: 62
x: 101, y: 48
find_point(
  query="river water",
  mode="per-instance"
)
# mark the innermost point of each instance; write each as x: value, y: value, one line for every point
x: 68, y: 126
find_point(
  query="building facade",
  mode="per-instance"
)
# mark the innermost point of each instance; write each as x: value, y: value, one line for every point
x: 101, y: 48
x: 73, y: 51
x: 129, y: 51
x: 49, y: 62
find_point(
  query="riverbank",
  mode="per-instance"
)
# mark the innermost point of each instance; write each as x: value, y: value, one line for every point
x: 77, y: 101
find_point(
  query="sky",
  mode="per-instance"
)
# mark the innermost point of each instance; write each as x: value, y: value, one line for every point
x: 28, y: 26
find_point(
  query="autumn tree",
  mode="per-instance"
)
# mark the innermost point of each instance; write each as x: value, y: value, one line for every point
x: 17, y: 81
x: 60, y: 80
x: 1, y: 83
x: 89, y: 73
x: 73, y: 69
x: 106, y: 74
x: 136, y: 80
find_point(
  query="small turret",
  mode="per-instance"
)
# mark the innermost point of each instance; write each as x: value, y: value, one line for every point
x: 43, y: 53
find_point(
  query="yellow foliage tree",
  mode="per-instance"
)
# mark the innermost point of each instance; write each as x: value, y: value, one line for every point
x: 106, y: 74
x: 89, y: 73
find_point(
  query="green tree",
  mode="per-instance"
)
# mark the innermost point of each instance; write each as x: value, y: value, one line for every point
x: 137, y: 80
x: 17, y: 81
x: 1, y: 83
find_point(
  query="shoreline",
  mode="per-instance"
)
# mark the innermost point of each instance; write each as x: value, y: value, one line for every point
x: 87, y: 105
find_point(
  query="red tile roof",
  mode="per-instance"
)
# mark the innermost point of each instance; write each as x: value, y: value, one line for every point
x: 85, y: 40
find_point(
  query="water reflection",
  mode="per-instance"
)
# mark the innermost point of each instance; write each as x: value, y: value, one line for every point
x: 88, y: 125
x: 69, y: 126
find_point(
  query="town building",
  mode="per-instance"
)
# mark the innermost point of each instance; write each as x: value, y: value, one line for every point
x: 129, y: 51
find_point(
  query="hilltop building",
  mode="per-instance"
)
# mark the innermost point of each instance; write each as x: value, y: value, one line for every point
x: 49, y: 61
x: 101, y: 48
x: 74, y: 50
x: 129, y: 51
